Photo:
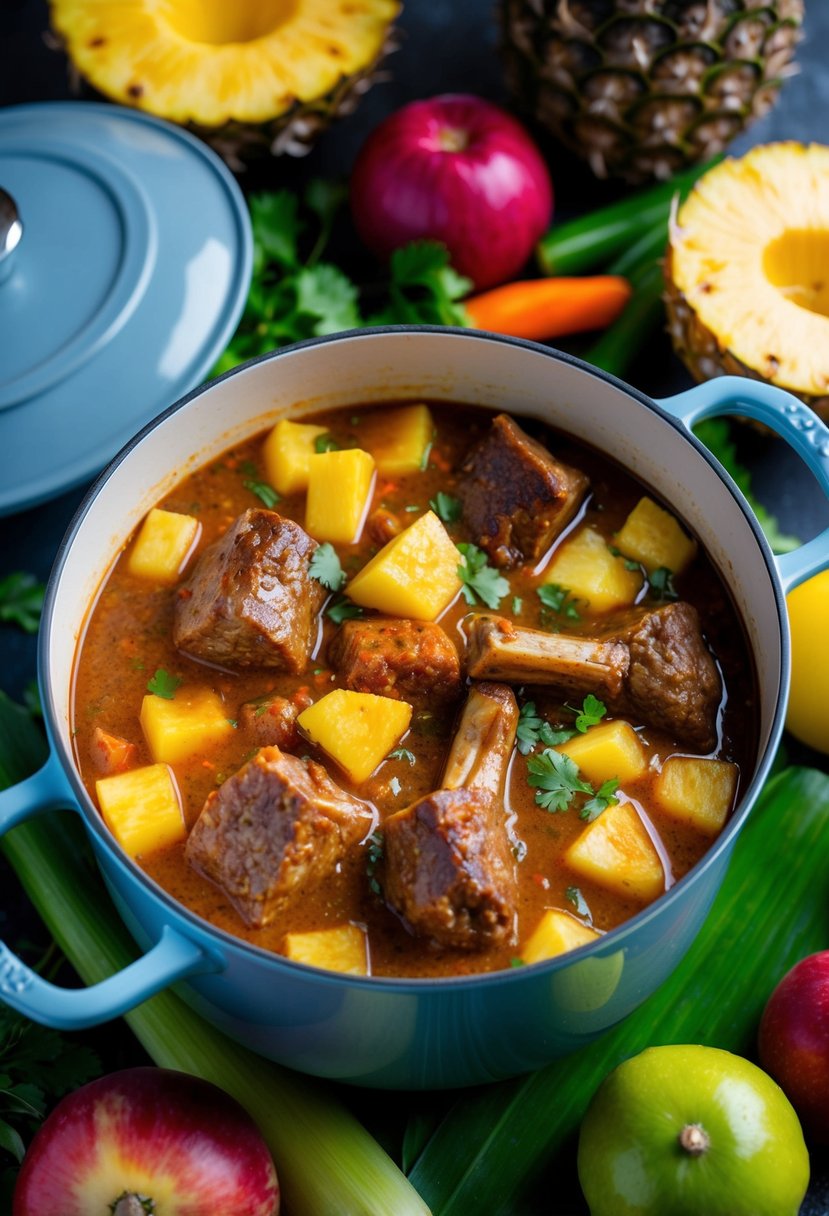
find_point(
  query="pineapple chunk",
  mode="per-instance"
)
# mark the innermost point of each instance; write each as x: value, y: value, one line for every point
x: 142, y: 809
x: 356, y: 729
x: 190, y: 723
x: 398, y: 439
x: 339, y: 488
x: 611, y: 749
x: 415, y: 575
x: 653, y: 537
x: 697, y: 791
x: 554, y: 934
x: 287, y: 452
x: 591, y: 572
x: 616, y: 852
x: 163, y: 545
x: 344, y: 948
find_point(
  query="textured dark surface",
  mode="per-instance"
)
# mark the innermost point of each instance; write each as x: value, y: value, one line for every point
x: 448, y: 46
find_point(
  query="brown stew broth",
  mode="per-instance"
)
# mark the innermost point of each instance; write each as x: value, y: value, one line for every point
x: 129, y: 636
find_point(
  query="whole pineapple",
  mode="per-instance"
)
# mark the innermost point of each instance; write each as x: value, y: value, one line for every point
x: 250, y: 76
x: 642, y: 88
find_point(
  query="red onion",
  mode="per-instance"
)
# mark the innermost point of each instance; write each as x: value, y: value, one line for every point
x: 459, y: 170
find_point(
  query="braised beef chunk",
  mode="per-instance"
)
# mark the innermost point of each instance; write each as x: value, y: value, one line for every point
x: 516, y: 497
x: 448, y: 869
x: 413, y: 661
x: 250, y: 600
x: 274, y: 830
x: 270, y: 721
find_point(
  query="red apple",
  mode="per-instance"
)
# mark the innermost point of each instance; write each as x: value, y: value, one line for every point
x: 794, y: 1041
x: 147, y: 1140
x: 459, y: 170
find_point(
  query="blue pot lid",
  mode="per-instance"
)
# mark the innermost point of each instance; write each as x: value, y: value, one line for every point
x: 128, y: 280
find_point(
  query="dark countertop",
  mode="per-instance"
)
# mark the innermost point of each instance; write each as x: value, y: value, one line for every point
x: 448, y: 46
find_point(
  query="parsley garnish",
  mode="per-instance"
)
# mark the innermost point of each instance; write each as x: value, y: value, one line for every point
x: 423, y: 288
x: 163, y: 684
x: 591, y: 713
x: 662, y: 584
x: 574, y: 896
x: 446, y: 507
x: 375, y: 847
x: 342, y: 609
x: 325, y: 443
x: 402, y: 753
x: 264, y: 491
x: 559, y: 600
x: 604, y: 797
x: 21, y: 600
x: 555, y: 777
x: 533, y: 729
x: 325, y: 567
x: 480, y: 580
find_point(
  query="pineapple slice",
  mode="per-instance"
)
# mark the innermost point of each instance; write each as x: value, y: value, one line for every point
x: 611, y: 749
x: 287, y: 452
x: 652, y: 536
x: 142, y: 809
x: 697, y: 791
x: 415, y: 575
x: 554, y: 934
x: 591, y: 572
x: 356, y: 729
x: 192, y: 722
x: 344, y: 948
x: 163, y: 545
x: 398, y: 439
x: 616, y: 852
x: 339, y: 488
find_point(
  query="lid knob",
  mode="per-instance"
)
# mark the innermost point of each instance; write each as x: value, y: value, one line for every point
x: 11, y: 230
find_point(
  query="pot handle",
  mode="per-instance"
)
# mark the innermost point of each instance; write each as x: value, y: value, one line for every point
x: 788, y: 417
x: 172, y: 958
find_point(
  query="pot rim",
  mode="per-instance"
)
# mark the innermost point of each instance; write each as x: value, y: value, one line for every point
x: 616, y: 937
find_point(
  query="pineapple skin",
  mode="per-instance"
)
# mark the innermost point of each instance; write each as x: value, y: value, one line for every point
x: 644, y: 88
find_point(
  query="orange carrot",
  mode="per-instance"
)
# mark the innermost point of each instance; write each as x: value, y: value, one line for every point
x: 549, y: 308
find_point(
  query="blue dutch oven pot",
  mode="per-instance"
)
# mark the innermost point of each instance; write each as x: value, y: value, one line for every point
x: 410, y: 1033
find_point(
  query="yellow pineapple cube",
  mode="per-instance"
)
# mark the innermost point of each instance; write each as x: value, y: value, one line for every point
x: 415, y: 575
x: 398, y: 439
x: 611, y: 749
x: 142, y: 809
x: 356, y: 729
x: 287, y: 452
x: 652, y: 536
x: 697, y: 791
x: 163, y: 545
x: 339, y: 489
x: 591, y: 572
x: 192, y: 721
x: 556, y: 933
x: 344, y: 948
x: 616, y: 852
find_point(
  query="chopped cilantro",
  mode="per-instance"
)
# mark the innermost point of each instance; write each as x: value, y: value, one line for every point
x: 662, y: 584
x: 262, y: 490
x: 480, y: 580
x: 446, y: 507
x: 533, y: 729
x: 517, y: 604
x: 574, y: 896
x: 325, y: 567
x: 234, y: 722
x: 342, y: 609
x: 325, y: 443
x: 559, y: 600
x: 402, y: 753
x: 517, y: 962
x: 21, y: 600
x: 423, y: 288
x: 412, y: 507
x: 375, y: 848
x: 424, y: 459
x: 163, y: 684
x: 591, y: 713
x: 630, y: 564
x: 604, y: 797
x: 555, y: 777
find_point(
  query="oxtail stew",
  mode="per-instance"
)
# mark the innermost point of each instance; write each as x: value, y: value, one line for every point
x: 414, y: 690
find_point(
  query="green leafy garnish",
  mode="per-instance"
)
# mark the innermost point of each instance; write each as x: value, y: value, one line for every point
x: 264, y: 491
x: 574, y: 896
x: 604, y: 797
x: 446, y: 507
x: 533, y: 729
x: 630, y: 564
x: 555, y: 777
x: 375, y: 847
x: 325, y: 567
x: 403, y: 753
x: 325, y: 443
x: 21, y: 600
x: 423, y: 288
x: 342, y: 609
x: 517, y: 962
x: 591, y: 713
x: 662, y: 584
x: 517, y: 604
x: 480, y: 580
x: 163, y: 684
x: 559, y: 600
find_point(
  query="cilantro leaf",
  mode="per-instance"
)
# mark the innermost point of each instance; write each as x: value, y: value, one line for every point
x: 574, y: 896
x: 264, y: 491
x: 662, y: 584
x: 591, y: 713
x: 480, y: 580
x: 21, y: 600
x: 325, y: 443
x: 402, y: 753
x: 517, y: 604
x: 324, y: 198
x: 163, y: 684
x: 325, y: 567
x: 558, y: 599
x: 555, y: 777
x: 276, y: 228
x: 325, y: 294
x: 533, y: 729
x: 375, y: 849
x: 342, y: 609
x: 424, y: 289
x: 604, y: 797
x: 447, y: 508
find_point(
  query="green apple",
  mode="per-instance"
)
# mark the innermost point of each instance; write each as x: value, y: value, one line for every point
x: 691, y: 1131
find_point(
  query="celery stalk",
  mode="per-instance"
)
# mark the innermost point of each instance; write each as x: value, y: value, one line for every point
x: 326, y: 1160
x: 581, y: 244
x: 617, y: 347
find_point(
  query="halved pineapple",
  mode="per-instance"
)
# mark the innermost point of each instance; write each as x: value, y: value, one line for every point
x: 747, y: 271
x: 219, y: 65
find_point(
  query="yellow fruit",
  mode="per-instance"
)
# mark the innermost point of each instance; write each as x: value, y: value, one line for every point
x: 287, y: 452
x: 193, y: 721
x: 398, y: 439
x: 808, y: 713
x: 616, y: 852
x: 343, y: 948
x: 339, y: 489
x: 699, y: 792
x: 356, y: 729
x: 652, y: 536
x: 142, y: 809
x: 415, y: 575
x: 590, y: 572
x: 554, y: 934
x: 609, y: 750
x: 163, y: 545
